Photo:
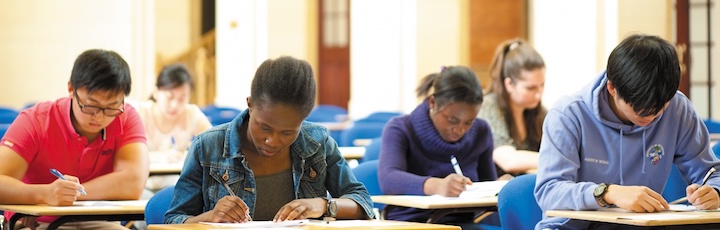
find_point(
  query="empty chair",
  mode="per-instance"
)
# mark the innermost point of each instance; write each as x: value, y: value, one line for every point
x: 713, y: 126
x: 219, y: 115
x: 368, y: 130
x: 3, y: 129
x: 7, y: 115
x: 158, y: 205
x: 367, y: 173
x: 516, y: 203
x: 372, y: 150
x: 382, y: 117
x: 327, y: 113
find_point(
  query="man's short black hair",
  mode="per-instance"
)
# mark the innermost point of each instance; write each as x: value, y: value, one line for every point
x: 645, y: 71
x: 101, y: 70
x: 287, y: 81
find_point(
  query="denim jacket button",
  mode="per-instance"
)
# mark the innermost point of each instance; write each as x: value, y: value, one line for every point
x: 313, y: 174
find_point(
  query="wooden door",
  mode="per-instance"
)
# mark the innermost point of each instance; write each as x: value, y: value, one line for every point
x: 334, y: 53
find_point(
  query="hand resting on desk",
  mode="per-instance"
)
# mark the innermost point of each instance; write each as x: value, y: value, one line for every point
x: 63, y: 192
x: 635, y: 198
x: 229, y: 209
x: 704, y: 198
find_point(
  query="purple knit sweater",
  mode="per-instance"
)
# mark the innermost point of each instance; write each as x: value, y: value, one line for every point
x: 406, y: 161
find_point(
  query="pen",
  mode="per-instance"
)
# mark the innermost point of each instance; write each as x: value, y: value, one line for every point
x: 707, y: 176
x: 230, y: 191
x: 705, y: 179
x: 60, y: 175
x: 456, y: 165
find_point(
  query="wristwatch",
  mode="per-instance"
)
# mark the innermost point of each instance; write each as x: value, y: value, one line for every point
x: 599, y: 192
x: 331, y: 209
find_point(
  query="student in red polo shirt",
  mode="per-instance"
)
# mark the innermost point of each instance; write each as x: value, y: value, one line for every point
x: 92, y: 137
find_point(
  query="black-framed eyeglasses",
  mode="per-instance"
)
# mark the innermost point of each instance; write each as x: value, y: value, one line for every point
x: 89, y: 109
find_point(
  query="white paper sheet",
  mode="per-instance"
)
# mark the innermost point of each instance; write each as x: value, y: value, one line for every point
x: 260, y: 224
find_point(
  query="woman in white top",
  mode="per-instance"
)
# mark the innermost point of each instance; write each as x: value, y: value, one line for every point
x: 171, y: 121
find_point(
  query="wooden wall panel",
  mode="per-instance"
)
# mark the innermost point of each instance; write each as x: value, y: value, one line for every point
x: 491, y: 23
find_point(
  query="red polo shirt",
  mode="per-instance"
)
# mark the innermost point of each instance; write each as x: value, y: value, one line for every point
x: 44, y: 136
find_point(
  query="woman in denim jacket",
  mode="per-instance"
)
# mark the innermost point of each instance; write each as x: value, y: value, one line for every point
x: 242, y: 170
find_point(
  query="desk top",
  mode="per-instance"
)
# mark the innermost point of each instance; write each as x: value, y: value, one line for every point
x: 340, y: 224
x: 81, y: 208
x: 435, y: 202
x: 353, y: 152
x: 619, y: 216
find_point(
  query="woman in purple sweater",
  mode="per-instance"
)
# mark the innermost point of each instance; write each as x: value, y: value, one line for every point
x: 416, y: 148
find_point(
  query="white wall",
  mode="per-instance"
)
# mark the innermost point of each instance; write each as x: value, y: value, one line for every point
x: 564, y: 33
x: 382, y: 56
x: 41, y: 40
x: 242, y: 41
x: 172, y: 25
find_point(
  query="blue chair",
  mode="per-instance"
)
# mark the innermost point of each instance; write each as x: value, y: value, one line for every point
x: 675, y: 187
x: 382, y: 117
x: 8, y: 115
x: 219, y: 115
x: 3, y: 129
x: 713, y: 126
x: 372, y: 150
x: 516, y: 203
x: 327, y: 113
x: 367, y: 130
x: 158, y: 205
x: 367, y: 173
x: 716, y: 149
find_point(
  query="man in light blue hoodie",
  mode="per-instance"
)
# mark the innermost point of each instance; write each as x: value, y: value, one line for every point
x: 614, y: 142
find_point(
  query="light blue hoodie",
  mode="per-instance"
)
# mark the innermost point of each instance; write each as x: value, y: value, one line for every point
x: 584, y: 144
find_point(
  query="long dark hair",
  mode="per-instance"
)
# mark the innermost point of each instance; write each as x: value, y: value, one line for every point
x: 452, y: 84
x: 511, y: 58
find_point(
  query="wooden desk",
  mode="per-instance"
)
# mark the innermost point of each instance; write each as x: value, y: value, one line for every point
x: 680, y: 220
x: 444, y: 205
x: 356, y: 224
x: 350, y: 153
x: 166, y: 169
x: 81, y: 211
x: 335, y: 126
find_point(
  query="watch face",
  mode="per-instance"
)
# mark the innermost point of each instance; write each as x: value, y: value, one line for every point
x: 332, y: 208
x: 600, y: 189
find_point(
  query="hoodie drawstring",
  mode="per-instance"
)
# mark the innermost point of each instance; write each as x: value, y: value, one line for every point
x: 621, y: 160
x: 642, y: 152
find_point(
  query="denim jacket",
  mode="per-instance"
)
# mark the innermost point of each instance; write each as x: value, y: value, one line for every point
x: 215, y: 156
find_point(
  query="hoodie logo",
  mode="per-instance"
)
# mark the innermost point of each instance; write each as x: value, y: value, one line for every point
x: 654, y: 153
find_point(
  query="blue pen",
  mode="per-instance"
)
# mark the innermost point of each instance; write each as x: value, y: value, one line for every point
x: 456, y: 165
x: 60, y: 175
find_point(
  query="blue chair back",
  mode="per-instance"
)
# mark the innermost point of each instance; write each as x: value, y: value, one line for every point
x: 3, y: 129
x: 372, y: 150
x: 219, y: 115
x: 8, y: 115
x: 326, y: 113
x: 675, y: 187
x: 382, y: 117
x: 516, y: 203
x: 367, y: 173
x: 716, y: 149
x: 158, y: 205
x: 713, y: 126
x: 368, y: 130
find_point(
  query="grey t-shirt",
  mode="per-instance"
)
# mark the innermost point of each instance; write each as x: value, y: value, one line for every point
x: 273, y: 191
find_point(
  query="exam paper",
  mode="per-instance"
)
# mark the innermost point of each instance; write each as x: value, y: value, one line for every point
x: 260, y: 224
x: 483, y: 189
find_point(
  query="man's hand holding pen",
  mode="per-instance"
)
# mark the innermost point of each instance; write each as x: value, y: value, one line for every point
x: 703, y: 196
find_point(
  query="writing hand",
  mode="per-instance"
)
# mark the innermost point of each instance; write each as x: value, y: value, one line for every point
x: 229, y: 209
x: 452, y: 185
x: 301, y: 209
x: 705, y: 197
x: 635, y: 198
x: 63, y: 192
